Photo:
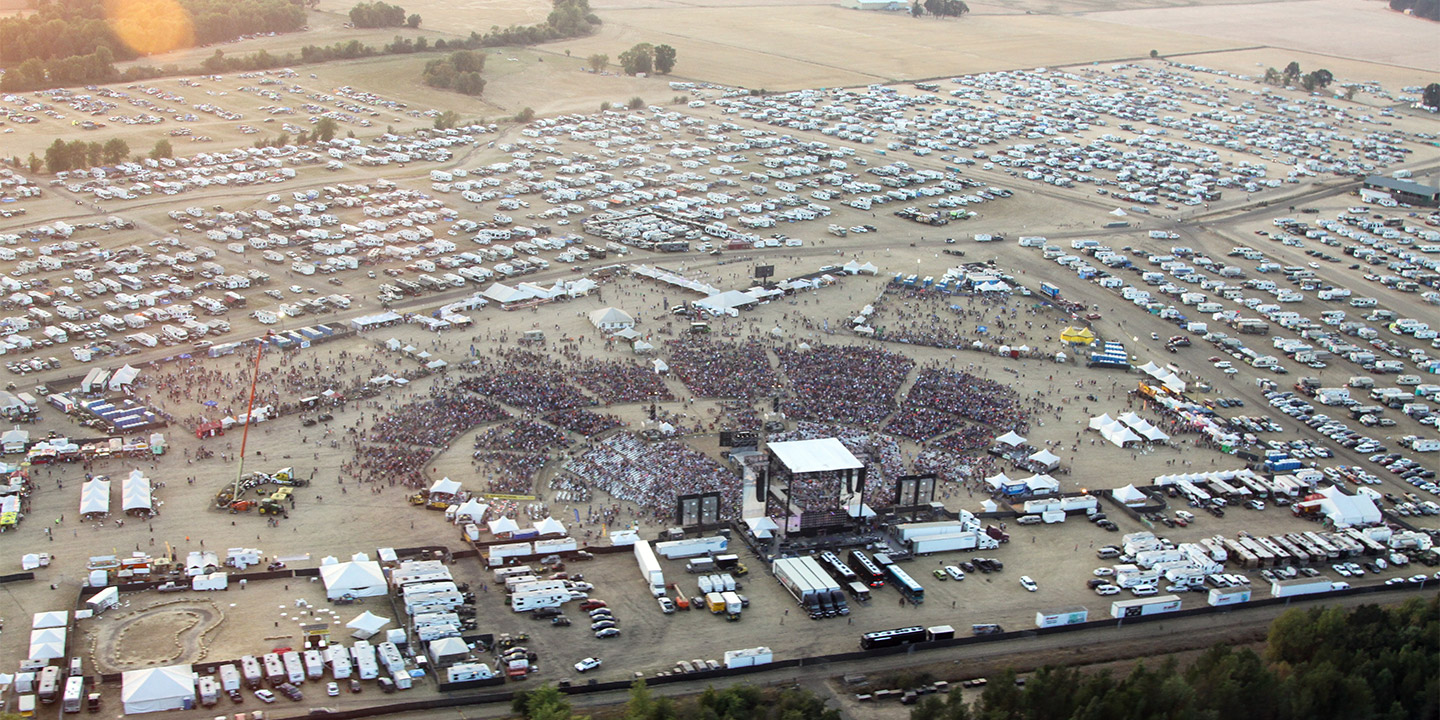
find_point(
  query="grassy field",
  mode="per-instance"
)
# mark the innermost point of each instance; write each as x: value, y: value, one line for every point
x: 1254, y: 62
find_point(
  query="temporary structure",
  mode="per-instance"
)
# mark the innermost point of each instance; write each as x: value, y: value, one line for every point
x: 158, y: 689
x: 48, y: 619
x: 366, y: 624
x: 503, y: 525
x: 95, y: 497
x: 471, y: 510
x: 611, y: 318
x: 355, y: 578
x: 1129, y: 495
x: 1010, y: 439
x: 1045, y: 459
x: 550, y: 526
x: 761, y: 527
x: 445, y: 486
x: 47, y: 644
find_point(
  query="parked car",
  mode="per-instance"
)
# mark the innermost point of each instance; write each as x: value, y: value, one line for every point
x: 1028, y: 583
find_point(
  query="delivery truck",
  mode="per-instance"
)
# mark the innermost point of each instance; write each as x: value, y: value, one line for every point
x: 650, y: 568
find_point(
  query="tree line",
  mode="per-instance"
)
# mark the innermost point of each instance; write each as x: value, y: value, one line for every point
x: 1291, y: 75
x: 379, y: 14
x: 70, y: 43
x: 567, y: 19
x: 938, y: 8
x: 1369, y: 663
x: 640, y: 58
x: 458, y: 71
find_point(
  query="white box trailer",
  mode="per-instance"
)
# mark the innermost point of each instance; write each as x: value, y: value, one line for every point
x: 1137, y: 607
x: 650, y: 568
x: 748, y: 656
x: 294, y: 667
x: 1228, y: 596
x: 250, y: 670
x: 229, y: 677
x: 927, y: 544
x: 911, y: 531
x: 498, y: 553
x: 692, y: 547
x: 1063, y: 616
x: 365, y: 665
x: 556, y: 545
x: 314, y: 665
x: 1301, y: 586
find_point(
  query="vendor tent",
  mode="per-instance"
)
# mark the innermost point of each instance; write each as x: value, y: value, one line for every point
x: 446, y: 650
x: 1077, y: 336
x: 357, y: 579
x: 123, y: 378
x: 1344, y: 510
x: 48, y: 619
x: 550, y: 526
x: 1129, y: 495
x: 95, y: 497
x: 445, y: 486
x: 503, y: 525
x: 1045, y: 459
x: 1010, y: 439
x: 611, y: 318
x: 366, y: 624
x: 47, y: 644
x: 158, y: 689
x: 471, y: 511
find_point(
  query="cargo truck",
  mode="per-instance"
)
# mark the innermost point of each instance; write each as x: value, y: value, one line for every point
x: 733, y: 605
x: 1300, y: 586
x: 650, y: 568
x: 797, y: 583
x: 928, y: 544
x: 1122, y: 609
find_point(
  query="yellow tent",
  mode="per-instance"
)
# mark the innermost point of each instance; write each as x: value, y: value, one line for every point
x: 1077, y: 336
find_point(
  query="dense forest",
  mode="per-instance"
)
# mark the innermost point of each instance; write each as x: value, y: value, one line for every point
x: 67, y: 43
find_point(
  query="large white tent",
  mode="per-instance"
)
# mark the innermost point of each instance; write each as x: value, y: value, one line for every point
x: 447, y: 649
x: 550, y: 526
x: 471, y: 510
x: 158, y: 689
x: 135, y: 492
x: 503, y: 525
x: 358, y: 578
x: 1348, y: 510
x: 761, y: 527
x: 611, y: 318
x: 1045, y: 459
x: 48, y: 619
x: 47, y: 643
x: 1011, y: 439
x: 367, y: 624
x: 1129, y: 495
x: 445, y: 486
x: 95, y: 497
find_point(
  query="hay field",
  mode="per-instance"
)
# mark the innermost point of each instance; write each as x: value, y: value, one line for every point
x: 1325, y: 27
x: 1253, y: 63
x: 815, y: 46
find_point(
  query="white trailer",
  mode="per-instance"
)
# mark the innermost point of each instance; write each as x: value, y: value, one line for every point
x: 1122, y: 609
x: 229, y: 677
x: 650, y: 568
x: 365, y: 665
x: 525, y: 602
x: 340, y: 665
x: 314, y: 665
x: 692, y: 547
x: 250, y: 669
x: 294, y: 667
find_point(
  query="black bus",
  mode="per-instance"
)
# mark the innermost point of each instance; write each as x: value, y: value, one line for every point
x: 897, y: 636
x: 838, y: 570
x: 866, y: 569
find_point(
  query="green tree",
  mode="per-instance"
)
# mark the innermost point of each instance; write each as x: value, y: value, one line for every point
x: 1292, y: 72
x: 1154, y: 53
x: 525, y: 115
x: 916, y: 9
x: 57, y: 157
x: 1430, y: 97
x: 638, y: 59
x: 325, y: 129
x: 116, y: 150
x: 413, y: 21
x: 598, y: 61
x: 604, y: 107
x: 664, y: 59
x: 34, y: 163
x: 162, y: 149
x: 635, y: 103
x: 447, y: 120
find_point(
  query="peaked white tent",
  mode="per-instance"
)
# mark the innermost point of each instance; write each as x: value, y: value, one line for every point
x: 611, y: 318
x: 1101, y: 421
x: 1011, y: 439
x: 550, y: 526
x: 761, y: 527
x: 1042, y: 484
x: 1129, y: 495
x: 95, y: 497
x: 158, y: 689
x: 366, y: 624
x: 503, y: 525
x: 445, y: 486
x: 471, y: 510
x: 446, y: 649
x: 1347, y: 510
x: 123, y: 378
x: 1044, y: 458
x: 358, y: 578
x: 47, y: 643
x: 48, y: 619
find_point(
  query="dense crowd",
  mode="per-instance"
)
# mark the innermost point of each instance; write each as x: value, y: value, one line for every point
x: 585, y: 422
x: 436, y: 421
x: 879, y: 451
x: 388, y: 464
x: 522, y: 435
x: 966, y: 438
x: 711, y: 368
x: 653, y: 475
x: 968, y: 396
x: 919, y: 423
x: 621, y: 382
x: 537, y: 390
x: 924, y: 317
x: 843, y: 383
x: 510, y: 473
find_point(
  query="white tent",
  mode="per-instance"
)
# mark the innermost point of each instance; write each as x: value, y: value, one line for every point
x: 1011, y: 439
x: 366, y: 624
x: 1129, y: 495
x: 761, y: 527
x: 95, y: 497
x: 1098, y: 422
x: 445, y: 486
x: 659, y: 366
x: 1347, y: 510
x: 503, y: 525
x: 1119, y: 435
x: 611, y: 318
x: 1045, y: 459
x: 1042, y: 484
x: 123, y: 378
x: 641, y: 347
x: 445, y: 649
x: 30, y: 561
x: 48, y: 619
x: 135, y: 492
x: 550, y: 526
x: 359, y: 579
x: 471, y: 510
x: 47, y: 644
x: 860, y: 511
x: 158, y: 689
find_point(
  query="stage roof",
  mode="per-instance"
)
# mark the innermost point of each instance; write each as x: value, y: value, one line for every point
x: 808, y: 456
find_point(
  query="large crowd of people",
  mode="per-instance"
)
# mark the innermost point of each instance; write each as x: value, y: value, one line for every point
x: 435, y: 421
x: 585, y: 422
x: 968, y: 396
x: 653, y: 475
x: 718, y: 369
x: 843, y: 383
x: 621, y: 382
x: 388, y: 464
x: 510, y: 473
x: 523, y: 436
x: 538, y: 390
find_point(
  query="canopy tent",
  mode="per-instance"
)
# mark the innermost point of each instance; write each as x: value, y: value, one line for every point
x: 550, y: 526
x: 1151, y: 369
x: 95, y: 497
x: 123, y: 378
x: 856, y: 268
x: 1129, y: 495
x: 503, y: 525
x: 445, y: 486
x: 640, y: 347
x: 366, y: 624
x: 135, y: 492
x: 158, y: 689
x: 993, y: 286
x: 860, y: 511
x: 611, y: 318
x: 627, y: 333
x: 356, y: 578
x: 1101, y: 421
x: 1011, y: 439
x: 720, y: 303
x: 761, y: 527
x: 48, y: 619
x: 1348, y: 510
x: 1045, y: 459
x: 471, y: 510
x: 659, y: 366
x: 1042, y: 484
x: 444, y: 650
x: 1119, y: 435
x: 1077, y: 336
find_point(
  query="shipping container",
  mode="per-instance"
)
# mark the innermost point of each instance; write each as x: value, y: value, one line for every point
x: 1144, y: 606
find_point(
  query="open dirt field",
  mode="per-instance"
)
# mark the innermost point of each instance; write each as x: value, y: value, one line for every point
x: 785, y: 52
x: 1323, y: 27
x: 1253, y: 62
